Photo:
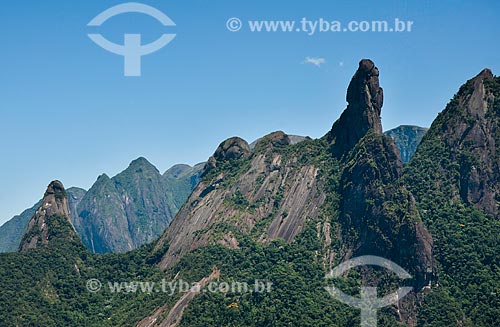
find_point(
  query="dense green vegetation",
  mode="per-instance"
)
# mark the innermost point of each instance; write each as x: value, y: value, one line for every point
x: 298, y: 297
x: 466, y: 240
x: 297, y: 271
x: 47, y: 287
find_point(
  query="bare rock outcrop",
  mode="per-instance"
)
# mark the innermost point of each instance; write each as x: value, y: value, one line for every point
x: 172, y: 316
x: 365, y: 98
x: 53, y: 206
x: 467, y: 135
x: 276, y: 189
x: 231, y: 149
x: 267, y: 189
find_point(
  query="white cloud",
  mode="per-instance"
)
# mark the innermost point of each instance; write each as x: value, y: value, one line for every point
x: 315, y: 61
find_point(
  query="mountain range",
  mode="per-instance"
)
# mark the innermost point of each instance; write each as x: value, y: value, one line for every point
x: 288, y: 213
x: 92, y: 217
x: 121, y: 213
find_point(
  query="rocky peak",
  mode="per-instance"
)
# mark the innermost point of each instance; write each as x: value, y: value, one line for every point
x: 231, y: 149
x: 103, y: 178
x: 486, y: 74
x: 365, y: 98
x: 279, y: 138
x: 275, y: 139
x: 472, y: 98
x: 141, y: 164
x: 364, y: 92
x: 467, y: 133
x: 53, y: 205
x: 55, y: 200
x: 377, y: 214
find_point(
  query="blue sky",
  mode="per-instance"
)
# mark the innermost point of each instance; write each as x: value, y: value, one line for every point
x: 68, y: 113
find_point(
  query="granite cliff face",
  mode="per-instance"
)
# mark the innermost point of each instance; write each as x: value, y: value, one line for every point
x: 465, y: 136
x: 277, y: 189
x: 377, y: 213
x: 13, y: 230
x: 251, y: 192
x: 51, y: 220
x: 344, y: 192
x: 455, y: 178
x: 479, y: 136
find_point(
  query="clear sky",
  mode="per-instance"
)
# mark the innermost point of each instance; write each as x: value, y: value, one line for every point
x: 68, y: 113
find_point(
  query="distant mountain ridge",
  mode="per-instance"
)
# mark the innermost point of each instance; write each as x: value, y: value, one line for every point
x: 407, y: 138
x: 121, y: 213
x: 179, y: 180
x: 98, y: 232
x: 12, y: 231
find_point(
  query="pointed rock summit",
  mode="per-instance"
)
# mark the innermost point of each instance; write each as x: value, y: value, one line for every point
x: 365, y: 98
x: 54, y: 209
x: 466, y: 133
x: 277, y: 191
x: 476, y: 103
